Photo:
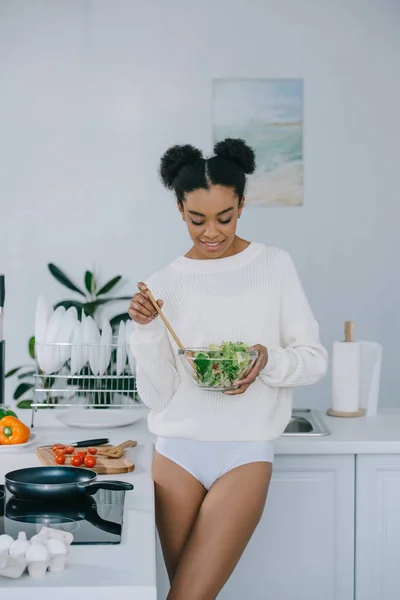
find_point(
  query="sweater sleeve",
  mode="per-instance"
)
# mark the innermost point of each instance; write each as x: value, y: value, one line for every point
x: 156, y: 374
x: 300, y: 359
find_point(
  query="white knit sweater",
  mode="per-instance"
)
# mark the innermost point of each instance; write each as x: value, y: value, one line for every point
x: 254, y: 297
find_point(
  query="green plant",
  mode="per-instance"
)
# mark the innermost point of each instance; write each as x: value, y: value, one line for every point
x: 91, y: 298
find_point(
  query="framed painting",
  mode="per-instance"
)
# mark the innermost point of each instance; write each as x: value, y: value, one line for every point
x: 268, y: 115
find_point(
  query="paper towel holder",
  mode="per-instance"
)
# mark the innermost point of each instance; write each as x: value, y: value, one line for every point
x: 349, y: 331
x: 337, y: 413
x: 349, y: 338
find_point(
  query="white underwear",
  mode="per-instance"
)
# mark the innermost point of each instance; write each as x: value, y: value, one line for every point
x: 208, y: 461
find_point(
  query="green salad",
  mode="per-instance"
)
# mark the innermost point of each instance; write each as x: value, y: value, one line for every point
x: 221, y: 365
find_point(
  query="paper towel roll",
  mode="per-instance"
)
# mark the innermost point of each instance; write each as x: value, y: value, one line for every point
x: 346, y: 362
x: 370, y: 372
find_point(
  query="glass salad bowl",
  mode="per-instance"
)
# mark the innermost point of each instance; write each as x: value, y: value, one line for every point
x: 217, y: 367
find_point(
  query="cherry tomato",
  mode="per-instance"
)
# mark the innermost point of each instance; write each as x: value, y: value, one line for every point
x: 81, y: 453
x: 76, y: 461
x: 92, y: 450
x: 215, y: 366
x: 70, y: 450
x: 60, y: 451
x: 89, y: 461
x: 60, y: 458
x: 57, y: 447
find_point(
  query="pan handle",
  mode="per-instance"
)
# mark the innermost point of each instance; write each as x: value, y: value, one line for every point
x: 92, y: 488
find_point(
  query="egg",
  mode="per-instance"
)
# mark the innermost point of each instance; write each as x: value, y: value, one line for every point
x: 56, y: 547
x: 37, y: 553
x: 37, y: 556
x: 5, y: 541
x: 19, y: 546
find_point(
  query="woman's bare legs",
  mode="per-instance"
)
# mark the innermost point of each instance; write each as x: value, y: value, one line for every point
x: 178, y: 498
x: 224, y: 525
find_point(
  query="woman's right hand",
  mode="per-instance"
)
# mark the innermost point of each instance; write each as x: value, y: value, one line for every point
x: 141, y: 309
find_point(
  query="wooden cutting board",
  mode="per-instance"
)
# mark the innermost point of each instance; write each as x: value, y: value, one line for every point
x: 104, y: 465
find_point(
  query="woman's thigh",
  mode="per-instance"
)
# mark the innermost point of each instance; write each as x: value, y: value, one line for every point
x: 225, y: 523
x: 178, y: 498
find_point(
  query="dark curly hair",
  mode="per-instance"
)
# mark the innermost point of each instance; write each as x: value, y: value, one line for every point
x: 183, y: 168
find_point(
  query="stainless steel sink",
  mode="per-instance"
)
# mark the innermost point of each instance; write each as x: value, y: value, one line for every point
x: 305, y: 423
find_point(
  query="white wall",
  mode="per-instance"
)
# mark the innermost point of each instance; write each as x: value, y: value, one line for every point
x: 92, y: 93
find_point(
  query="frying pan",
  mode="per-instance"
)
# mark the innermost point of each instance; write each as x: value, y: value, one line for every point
x: 48, y: 513
x: 44, y: 483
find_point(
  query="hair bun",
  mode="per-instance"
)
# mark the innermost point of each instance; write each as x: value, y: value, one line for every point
x: 174, y: 159
x: 239, y: 152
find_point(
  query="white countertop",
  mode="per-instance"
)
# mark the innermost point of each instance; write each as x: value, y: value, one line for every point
x: 361, y: 435
x: 100, y: 570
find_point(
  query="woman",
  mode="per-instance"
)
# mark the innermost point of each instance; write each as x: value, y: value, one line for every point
x: 214, y: 452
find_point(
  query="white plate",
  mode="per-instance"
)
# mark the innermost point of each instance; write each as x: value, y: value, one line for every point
x: 76, y: 349
x: 54, y: 323
x: 85, y: 339
x: 49, y: 353
x: 16, y: 447
x: 105, y: 347
x: 92, y: 338
x: 121, y: 350
x: 98, y: 418
x: 131, y: 358
x: 65, y: 334
x: 44, y: 310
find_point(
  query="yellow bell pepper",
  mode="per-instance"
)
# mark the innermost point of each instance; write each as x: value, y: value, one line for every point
x: 13, y: 431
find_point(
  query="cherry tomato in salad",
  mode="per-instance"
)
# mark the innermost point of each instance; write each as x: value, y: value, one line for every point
x: 89, y: 461
x: 60, y: 459
x: 92, y: 450
x: 76, y: 461
x: 70, y: 450
x: 215, y: 366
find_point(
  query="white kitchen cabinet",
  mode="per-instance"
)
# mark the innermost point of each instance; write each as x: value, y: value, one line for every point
x: 378, y: 527
x: 303, y: 548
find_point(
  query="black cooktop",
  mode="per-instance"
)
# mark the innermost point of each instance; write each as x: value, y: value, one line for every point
x: 93, y: 519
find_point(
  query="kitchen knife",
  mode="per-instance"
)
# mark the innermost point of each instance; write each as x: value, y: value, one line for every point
x: 2, y: 300
x: 2, y: 342
x: 85, y: 443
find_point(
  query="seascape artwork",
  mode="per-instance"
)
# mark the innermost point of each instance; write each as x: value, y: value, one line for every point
x: 268, y: 115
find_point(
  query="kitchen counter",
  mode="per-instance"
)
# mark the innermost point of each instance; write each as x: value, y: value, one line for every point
x: 130, y: 567
x: 96, y: 571
x: 361, y: 435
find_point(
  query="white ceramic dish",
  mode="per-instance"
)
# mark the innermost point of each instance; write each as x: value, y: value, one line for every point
x: 98, y: 418
x: 85, y: 336
x: 64, y: 336
x: 121, y: 350
x: 54, y: 323
x: 105, y: 347
x: 92, y: 339
x: 131, y: 358
x: 44, y: 310
x: 49, y: 352
x: 16, y: 447
x: 76, y: 349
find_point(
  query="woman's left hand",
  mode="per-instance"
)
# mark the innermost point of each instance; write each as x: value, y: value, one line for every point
x: 260, y: 363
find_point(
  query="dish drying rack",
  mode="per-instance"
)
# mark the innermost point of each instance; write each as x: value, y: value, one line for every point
x: 114, y: 386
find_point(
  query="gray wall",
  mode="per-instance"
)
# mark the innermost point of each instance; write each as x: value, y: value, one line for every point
x: 92, y: 92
